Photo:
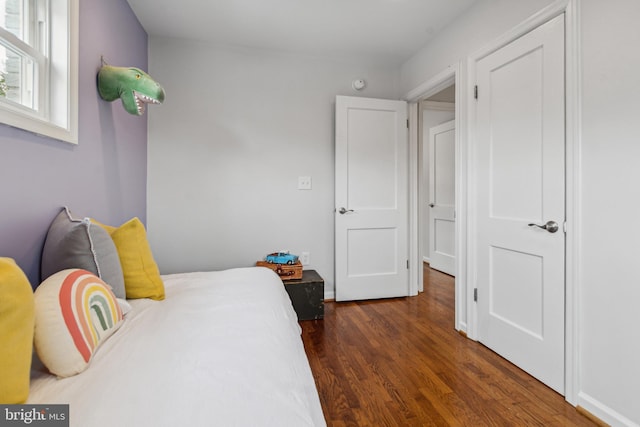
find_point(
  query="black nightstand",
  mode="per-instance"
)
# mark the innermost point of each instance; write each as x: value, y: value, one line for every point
x: 307, y: 295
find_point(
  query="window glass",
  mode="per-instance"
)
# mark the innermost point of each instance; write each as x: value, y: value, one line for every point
x: 16, y: 77
x: 12, y: 17
x: 17, y: 72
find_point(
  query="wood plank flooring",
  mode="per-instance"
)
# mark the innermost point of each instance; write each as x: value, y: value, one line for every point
x: 399, y: 362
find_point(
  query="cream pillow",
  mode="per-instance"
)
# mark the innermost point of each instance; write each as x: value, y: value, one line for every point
x: 75, y: 312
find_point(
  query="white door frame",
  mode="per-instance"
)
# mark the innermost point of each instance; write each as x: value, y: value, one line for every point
x: 463, y: 74
x: 444, y: 79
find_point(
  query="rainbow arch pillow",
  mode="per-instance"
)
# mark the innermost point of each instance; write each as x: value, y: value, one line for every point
x: 75, y: 312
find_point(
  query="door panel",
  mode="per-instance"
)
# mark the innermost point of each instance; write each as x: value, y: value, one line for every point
x: 364, y: 262
x: 371, y: 222
x: 521, y: 281
x: 519, y: 156
x: 442, y: 196
x: 371, y: 159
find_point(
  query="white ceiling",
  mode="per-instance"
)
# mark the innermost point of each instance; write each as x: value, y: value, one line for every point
x: 390, y: 30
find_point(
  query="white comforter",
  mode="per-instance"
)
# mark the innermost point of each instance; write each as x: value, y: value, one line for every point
x: 223, y: 349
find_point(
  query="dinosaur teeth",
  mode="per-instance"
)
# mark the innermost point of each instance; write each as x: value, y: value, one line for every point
x: 139, y: 106
x: 147, y: 99
x: 141, y: 100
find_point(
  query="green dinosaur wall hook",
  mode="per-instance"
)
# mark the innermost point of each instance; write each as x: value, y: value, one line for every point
x: 133, y: 86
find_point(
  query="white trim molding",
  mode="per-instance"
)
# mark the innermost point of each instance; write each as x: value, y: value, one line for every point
x: 573, y: 105
x: 438, y: 105
x: 415, y: 251
x: 440, y: 81
x: 603, y: 412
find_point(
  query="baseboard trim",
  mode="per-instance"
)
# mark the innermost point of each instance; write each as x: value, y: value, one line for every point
x: 591, y: 417
x: 601, y: 413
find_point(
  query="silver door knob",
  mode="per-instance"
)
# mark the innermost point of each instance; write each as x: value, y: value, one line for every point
x: 343, y: 211
x: 550, y: 226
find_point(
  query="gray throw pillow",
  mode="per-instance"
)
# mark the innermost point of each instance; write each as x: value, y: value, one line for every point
x: 78, y: 243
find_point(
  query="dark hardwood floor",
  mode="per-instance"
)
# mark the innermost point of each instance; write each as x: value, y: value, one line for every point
x: 399, y: 362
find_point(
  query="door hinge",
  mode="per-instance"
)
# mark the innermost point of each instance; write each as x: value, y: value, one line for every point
x: 475, y: 92
x: 407, y: 123
x: 475, y: 294
x: 407, y: 264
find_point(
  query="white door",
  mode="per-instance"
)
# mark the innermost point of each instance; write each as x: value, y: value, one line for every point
x: 371, y: 179
x: 442, y: 196
x: 519, y: 154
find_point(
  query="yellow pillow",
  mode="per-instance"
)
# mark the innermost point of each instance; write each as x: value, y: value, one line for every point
x: 110, y: 229
x: 17, y: 317
x: 141, y: 274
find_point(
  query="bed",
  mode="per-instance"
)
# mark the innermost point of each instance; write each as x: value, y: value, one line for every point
x: 222, y: 349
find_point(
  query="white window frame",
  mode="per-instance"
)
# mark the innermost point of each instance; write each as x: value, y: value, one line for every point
x: 56, y: 115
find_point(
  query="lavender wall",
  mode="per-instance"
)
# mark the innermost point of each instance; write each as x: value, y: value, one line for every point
x: 104, y: 176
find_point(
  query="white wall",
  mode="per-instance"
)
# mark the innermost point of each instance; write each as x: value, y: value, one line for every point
x: 610, y: 277
x: 609, y: 173
x: 485, y: 20
x: 226, y: 148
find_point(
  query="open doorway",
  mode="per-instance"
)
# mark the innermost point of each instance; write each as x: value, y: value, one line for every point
x: 436, y: 139
x: 448, y: 91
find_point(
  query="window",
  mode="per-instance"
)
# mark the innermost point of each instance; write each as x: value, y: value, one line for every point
x: 38, y: 66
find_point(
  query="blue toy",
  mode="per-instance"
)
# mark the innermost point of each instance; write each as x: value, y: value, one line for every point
x: 281, y: 258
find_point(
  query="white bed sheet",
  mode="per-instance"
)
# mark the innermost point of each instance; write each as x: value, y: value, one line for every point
x: 223, y: 349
